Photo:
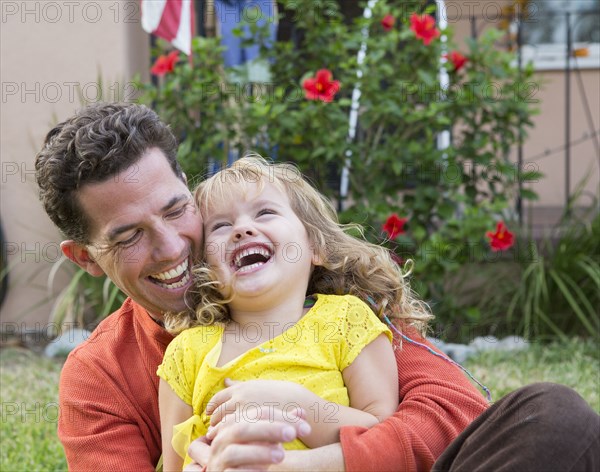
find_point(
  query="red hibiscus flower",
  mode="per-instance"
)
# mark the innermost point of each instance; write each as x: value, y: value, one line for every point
x: 165, y: 64
x: 502, y: 239
x: 388, y: 22
x: 394, y: 226
x: 321, y: 87
x: 424, y: 27
x: 457, y: 60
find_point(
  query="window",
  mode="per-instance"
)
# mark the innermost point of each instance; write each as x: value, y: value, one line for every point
x: 544, y: 33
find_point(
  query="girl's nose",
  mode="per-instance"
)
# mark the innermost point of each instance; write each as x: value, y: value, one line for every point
x: 241, y: 233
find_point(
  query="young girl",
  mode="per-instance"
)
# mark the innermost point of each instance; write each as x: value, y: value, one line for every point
x: 280, y: 298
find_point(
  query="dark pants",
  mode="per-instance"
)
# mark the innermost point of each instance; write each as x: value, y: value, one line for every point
x: 541, y: 427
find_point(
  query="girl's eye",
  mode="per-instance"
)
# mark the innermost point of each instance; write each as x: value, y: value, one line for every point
x: 266, y: 211
x: 218, y: 225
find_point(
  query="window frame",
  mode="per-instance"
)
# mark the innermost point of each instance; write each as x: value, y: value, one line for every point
x: 553, y: 56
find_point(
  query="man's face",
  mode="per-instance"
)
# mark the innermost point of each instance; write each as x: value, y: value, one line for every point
x: 145, y: 233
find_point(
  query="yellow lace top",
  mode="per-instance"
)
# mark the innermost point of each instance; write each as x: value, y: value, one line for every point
x: 312, y: 353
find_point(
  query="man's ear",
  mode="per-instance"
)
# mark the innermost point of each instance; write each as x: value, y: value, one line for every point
x: 184, y: 178
x: 80, y: 255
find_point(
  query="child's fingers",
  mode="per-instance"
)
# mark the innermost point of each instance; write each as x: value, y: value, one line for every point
x: 211, y: 432
x: 234, y: 412
x: 291, y: 424
x: 230, y: 382
x: 221, y: 412
x: 218, y: 399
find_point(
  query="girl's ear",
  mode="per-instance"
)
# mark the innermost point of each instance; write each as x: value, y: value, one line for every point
x: 317, y: 259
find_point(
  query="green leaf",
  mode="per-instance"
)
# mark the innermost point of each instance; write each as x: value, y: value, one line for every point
x: 446, y: 210
x: 562, y: 282
x: 527, y: 194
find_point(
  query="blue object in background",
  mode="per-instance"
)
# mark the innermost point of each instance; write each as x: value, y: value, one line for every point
x: 229, y: 14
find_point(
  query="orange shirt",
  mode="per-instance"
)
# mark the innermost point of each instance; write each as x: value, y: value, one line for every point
x: 108, y: 395
x: 109, y: 418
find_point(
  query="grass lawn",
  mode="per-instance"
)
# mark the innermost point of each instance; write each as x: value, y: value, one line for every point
x: 575, y: 364
x: 28, y: 388
x: 29, y: 409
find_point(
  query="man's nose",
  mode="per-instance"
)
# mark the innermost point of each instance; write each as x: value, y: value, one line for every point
x: 168, y: 244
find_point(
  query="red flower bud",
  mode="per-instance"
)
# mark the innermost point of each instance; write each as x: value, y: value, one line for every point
x: 388, y: 22
x: 457, y: 60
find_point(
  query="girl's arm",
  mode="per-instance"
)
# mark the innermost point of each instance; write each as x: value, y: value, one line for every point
x: 173, y: 410
x: 371, y: 380
x: 372, y: 383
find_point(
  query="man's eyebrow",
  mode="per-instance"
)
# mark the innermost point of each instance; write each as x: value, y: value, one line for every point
x: 174, y: 201
x: 112, y: 235
x: 115, y: 232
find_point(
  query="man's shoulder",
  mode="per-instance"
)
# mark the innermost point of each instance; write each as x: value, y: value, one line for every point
x: 114, y: 330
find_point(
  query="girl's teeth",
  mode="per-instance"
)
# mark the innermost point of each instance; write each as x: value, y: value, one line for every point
x: 251, y: 266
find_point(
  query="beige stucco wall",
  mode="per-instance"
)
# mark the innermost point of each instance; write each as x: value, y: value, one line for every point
x: 49, y: 50
x: 545, y: 146
x: 542, y: 149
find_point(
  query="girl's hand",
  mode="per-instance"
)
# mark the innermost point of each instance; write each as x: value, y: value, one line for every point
x: 267, y: 395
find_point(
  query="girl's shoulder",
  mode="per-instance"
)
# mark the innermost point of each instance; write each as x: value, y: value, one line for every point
x: 199, y: 336
x: 339, y: 309
x: 342, y: 301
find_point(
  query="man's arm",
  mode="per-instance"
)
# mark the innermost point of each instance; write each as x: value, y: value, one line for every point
x: 95, y: 426
x: 324, y: 459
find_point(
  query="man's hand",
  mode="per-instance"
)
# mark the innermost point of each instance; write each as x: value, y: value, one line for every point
x: 254, y: 445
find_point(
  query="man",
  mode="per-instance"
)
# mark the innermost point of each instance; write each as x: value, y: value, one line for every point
x: 109, y: 180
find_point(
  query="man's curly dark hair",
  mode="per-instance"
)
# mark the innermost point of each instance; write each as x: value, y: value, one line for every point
x: 96, y: 144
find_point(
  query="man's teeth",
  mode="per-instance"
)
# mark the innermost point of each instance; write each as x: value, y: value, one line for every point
x: 181, y: 269
x: 181, y: 283
x: 171, y: 274
x: 250, y: 252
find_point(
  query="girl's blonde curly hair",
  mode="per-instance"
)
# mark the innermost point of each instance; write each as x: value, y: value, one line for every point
x: 350, y: 265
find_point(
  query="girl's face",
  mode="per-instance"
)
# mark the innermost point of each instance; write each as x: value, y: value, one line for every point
x: 258, y: 246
